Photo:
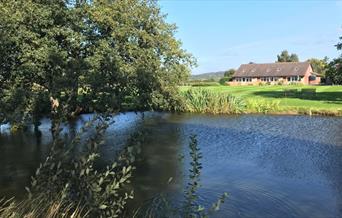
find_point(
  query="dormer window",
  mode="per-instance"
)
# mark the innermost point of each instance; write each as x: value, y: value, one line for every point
x: 253, y: 70
x: 278, y: 69
x: 268, y: 70
x: 296, y: 69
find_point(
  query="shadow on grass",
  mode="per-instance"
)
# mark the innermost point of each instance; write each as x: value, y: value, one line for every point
x: 327, y: 97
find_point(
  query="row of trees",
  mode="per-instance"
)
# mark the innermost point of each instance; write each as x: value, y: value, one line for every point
x: 86, y: 55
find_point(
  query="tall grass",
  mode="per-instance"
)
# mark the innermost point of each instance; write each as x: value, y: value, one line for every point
x: 263, y: 106
x: 199, y: 100
x: 39, y: 206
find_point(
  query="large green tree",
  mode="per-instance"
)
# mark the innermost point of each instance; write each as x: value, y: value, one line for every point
x: 95, y: 55
x: 319, y: 66
x: 284, y: 56
x: 227, y: 76
x: 334, y: 70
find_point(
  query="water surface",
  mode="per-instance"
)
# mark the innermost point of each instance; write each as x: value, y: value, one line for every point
x: 271, y: 166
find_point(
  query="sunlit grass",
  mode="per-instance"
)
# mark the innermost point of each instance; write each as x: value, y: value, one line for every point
x: 326, y: 98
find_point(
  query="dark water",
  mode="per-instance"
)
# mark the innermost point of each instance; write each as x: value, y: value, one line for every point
x: 271, y: 166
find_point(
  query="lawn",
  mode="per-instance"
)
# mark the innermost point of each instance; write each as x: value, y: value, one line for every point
x: 326, y: 97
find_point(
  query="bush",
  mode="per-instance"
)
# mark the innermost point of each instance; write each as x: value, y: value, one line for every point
x: 69, y: 174
x: 224, y: 80
x: 262, y: 106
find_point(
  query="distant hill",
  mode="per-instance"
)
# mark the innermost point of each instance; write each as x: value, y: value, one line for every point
x: 208, y: 76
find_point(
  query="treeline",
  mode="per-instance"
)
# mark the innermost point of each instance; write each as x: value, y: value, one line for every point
x: 88, y: 56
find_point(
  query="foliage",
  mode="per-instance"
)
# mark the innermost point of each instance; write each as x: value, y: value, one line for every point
x: 262, y: 106
x: 200, y: 100
x: 334, y: 71
x: 286, y: 57
x: 229, y: 73
x: 224, y: 80
x: 37, y: 207
x: 70, y: 170
x: 88, y: 56
x: 319, y: 66
x: 339, y: 45
x: 163, y: 206
x: 328, y: 98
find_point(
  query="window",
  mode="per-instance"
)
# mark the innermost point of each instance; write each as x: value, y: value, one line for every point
x: 294, y: 78
x: 312, y: 78
x: 244, y: 79
x: 269, y: 79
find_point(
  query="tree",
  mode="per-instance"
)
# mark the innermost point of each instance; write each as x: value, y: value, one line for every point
x: 319, y: 66
x: 95, y: 55
x: 286, y: 57
x: 229, y: 73
x: 334, y: 69
x: 227, y: 76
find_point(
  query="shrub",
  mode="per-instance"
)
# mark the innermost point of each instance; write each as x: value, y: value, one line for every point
x: 280, y: 82
x: 262, y: 106
x: 224, y: 80
x: 69, y: 174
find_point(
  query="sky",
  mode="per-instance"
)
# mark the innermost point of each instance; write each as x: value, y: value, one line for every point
x: 222, y: 34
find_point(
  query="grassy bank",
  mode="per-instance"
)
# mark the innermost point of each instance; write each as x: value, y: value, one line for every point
x: 282, y: 99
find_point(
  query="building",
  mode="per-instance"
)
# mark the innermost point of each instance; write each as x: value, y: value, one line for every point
x: 275, y: 73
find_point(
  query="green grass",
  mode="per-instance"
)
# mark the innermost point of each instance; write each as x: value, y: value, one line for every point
x: 327, y: 98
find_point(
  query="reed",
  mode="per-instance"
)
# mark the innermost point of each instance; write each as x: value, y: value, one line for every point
x: 263, y: 106
x: 198, y: 100
x: 39, y: 206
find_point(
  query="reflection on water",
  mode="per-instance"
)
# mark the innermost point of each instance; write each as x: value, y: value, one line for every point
x: 271, y: 166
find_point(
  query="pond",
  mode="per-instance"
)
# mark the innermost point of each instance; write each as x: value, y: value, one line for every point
x: 271, y: 166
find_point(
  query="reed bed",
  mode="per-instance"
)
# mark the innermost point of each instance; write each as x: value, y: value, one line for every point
x: 200, y: 100
x: 263, y: 106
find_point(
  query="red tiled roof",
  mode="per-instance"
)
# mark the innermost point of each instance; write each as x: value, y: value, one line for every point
x: 272, y: 69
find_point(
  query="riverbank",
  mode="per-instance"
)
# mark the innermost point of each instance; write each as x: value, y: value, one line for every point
x: 325, y: 101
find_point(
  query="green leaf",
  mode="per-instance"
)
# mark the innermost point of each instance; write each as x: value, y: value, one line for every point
x: 103, y: 207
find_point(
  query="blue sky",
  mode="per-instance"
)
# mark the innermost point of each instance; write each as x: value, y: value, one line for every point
x: 224, y: 34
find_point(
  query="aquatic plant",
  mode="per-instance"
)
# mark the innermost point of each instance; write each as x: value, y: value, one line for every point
x: 37, y: 207
x: 262, y: 106
x: 164, y: 206
x: 201, y: 100
x: 70, y: 179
